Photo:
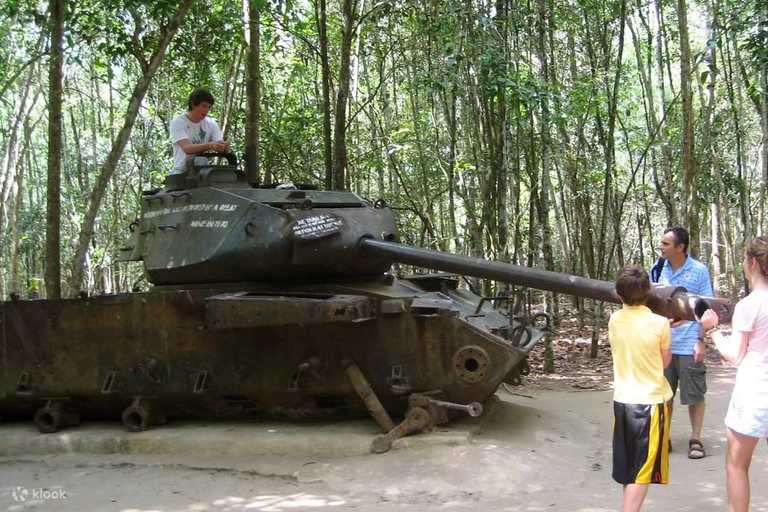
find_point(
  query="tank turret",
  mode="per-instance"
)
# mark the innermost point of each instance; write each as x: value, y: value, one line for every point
x: 220, y: 230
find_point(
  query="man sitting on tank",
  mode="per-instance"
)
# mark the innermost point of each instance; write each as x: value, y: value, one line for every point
x: 194, y: 132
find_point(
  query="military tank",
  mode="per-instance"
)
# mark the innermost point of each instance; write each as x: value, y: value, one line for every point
x: 278, y: 302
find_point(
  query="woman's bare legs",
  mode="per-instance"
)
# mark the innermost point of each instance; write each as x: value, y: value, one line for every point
x: 737, y: 460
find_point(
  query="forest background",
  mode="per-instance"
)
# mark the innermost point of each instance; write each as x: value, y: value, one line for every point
x: 562, y: 134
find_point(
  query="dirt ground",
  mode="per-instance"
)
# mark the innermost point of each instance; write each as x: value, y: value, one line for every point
x: 544, y: 447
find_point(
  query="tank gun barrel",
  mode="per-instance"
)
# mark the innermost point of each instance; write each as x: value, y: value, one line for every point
x: 667, y: 300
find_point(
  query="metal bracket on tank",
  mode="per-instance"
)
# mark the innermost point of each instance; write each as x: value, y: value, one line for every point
x: 398, y: 383
x: 394, y: 306
x: 293, y: 381
x: 482, y: 302
x: 514, y: 376
x: 314, y: 366
x: 176, y: 196
x: 521, y: 334
x: 435, y: 305
x: 151, y: 368
x: 518, y: 333
x: 108, y: 386
x: 201, y: 383
x: 25, y: 386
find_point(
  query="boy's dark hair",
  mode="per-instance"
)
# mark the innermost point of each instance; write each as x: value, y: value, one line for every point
x: 681, y: 235
x: 633, y: 285
x: 199, y: 96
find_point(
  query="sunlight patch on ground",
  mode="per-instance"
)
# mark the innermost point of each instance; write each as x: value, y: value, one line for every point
x: 277, y: 503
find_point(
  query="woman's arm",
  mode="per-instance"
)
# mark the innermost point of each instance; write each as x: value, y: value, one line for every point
x: 731, y: 345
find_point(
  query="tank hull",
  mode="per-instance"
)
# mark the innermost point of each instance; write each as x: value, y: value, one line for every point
x: 254, y: 350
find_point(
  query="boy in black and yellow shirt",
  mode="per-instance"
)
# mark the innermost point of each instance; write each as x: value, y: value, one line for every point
x: 640, y: 345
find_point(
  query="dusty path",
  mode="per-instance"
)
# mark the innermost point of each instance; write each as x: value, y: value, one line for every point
x: 540, y: 450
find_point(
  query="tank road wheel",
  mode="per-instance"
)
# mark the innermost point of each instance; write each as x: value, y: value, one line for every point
x: 55, y: 416
x: 142, y: 413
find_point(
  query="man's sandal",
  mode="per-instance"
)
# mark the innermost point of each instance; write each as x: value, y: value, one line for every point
x: 696, y: 449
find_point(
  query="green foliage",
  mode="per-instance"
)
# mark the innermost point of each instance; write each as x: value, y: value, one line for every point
x: 443, y: 89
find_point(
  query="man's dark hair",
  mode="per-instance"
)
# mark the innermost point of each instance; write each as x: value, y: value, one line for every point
x: 633, y: 285
x: 199, y: 96
x: 681, y: 235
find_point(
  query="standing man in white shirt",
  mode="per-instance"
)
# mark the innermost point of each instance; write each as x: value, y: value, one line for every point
x: 194, y: 132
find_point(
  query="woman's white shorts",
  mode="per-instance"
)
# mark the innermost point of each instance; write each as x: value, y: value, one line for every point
x: 748, y: 415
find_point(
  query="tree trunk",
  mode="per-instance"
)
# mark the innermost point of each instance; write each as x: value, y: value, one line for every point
x: 449, y: 113
x: 544, y: 205
x: 9, y: 174
x: 232, y: 85
x: 564, y: 206
x: 664, y: 185
x: 140, y: 89
x: 425, y: 205
x: 604, y: 39
x: 53, y: 189
x: 15, y: 271
x: 340, y: 123
x: 501, y: 157
x: 322, y: 30
x: 356, y: 182
x: 655, y: 129
x: 689, y: 206
x: 252, y: 93
x: 709, y: 141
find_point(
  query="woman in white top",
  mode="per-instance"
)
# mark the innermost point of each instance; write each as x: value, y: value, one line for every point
x: 746, y: 347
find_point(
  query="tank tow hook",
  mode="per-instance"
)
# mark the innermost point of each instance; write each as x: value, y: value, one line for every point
x: 142, y: 413
x: 55, y: 415
x: 423, y: 414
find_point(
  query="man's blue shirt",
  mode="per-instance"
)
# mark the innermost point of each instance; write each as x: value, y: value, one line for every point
x: 694, y: 277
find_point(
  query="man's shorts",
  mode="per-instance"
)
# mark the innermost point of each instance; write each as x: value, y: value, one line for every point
x: 692, y: 378
x: 640, y: 443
